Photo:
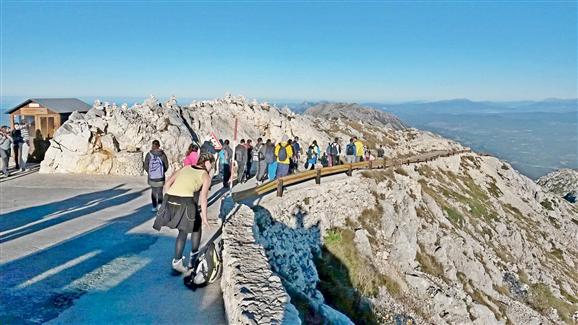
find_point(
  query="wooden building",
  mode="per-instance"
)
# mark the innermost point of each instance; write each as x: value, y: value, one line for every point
x: 44, y: 115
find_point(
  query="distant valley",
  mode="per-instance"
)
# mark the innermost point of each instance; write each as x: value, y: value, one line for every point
x: 536, y: 137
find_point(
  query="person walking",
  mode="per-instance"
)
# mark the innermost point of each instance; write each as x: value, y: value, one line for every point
x: 283, y: 152
x: 350, y: 152
x: 366, y: 153
x: 192, y: 155
x: 249, y: 168
x: 271, y: 160
x: 296, y: 155
x: 255, y: 158
x: 312, y: 156
x: 225, y: 159
x: 335, y: 152
x: 241, y: 160
x: 25, y: 147
x: 186, y: 208
x: 17, y: 142
x: 156, y: 165
x: 5, y: 144
x: 359, y: 151
x: 380, y: 151
x: 328, y: 155
x: 260, y: 149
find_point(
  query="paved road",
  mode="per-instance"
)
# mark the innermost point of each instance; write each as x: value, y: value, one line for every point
x: 81, y: 250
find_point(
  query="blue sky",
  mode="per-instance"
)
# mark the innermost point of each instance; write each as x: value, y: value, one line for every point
x: 356, y: 51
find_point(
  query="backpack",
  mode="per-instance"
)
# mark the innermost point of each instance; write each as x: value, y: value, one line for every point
x: 208, y: 146
x: 333, y: 150
x: 239, y: 153
x: 350, y: 150
x: 296, y: 148
x: 282, y: 153
x: 270, y: 154
x: 156, y: 167
x: 208, y: 267
x: 261, y: 153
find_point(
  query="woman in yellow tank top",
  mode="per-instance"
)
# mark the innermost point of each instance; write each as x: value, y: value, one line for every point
x: 185, y: 207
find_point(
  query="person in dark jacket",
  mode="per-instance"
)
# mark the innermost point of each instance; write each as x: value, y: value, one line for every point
x: 17, y: 142
x: 249, y: 146
x: 156, y: 165
x: 241, y: 160
x: 227, y: 157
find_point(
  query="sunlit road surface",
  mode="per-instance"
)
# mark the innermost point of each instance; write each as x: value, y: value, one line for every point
x: 78, y: 249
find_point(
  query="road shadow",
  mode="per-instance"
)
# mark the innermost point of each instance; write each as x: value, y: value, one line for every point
x: 14, y: 224
x: 217, y: 195
x: 37, y: 287
x: 14, y: 174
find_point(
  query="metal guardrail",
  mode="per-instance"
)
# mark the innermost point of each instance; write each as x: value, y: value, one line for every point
x: 279, y: 184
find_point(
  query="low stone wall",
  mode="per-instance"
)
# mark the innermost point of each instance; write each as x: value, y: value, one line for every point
x: 251, y: 292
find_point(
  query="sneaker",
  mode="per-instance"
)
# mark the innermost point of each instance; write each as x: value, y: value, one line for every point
x: 154, y: 209
x: 179, y: 265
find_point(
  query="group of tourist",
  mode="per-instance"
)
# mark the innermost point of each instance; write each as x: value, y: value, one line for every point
x: 16, y: 140
x: 182, y: 199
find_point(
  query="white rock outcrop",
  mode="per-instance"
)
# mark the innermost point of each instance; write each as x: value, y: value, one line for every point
x: 102, y: 140
x: 560, y: 182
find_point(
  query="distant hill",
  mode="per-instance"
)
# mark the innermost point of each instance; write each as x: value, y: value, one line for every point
x: 466, y: 106
x: 355, y: 111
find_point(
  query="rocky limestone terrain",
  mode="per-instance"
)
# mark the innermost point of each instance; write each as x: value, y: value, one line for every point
x: 560, y: 182
x: 356, y: 112
x: 113, y: 140
x: 462, y: 239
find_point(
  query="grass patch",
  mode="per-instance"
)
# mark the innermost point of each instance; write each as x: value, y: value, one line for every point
x: 542, y: 299
x: 454, y: 216
x: 401, y: 171
x: 469, y: 161
x: 494, y: 189
x: 502, y: 289
x: 547, y: 204
x: 426, y: 171
x: 332, y: 236
x: 378, y: 175
x: 429, y: 264
x: 505, y: 167
x: 568, y: 296
x: 307, y: 200
x: 370, y: 219
x: 557, y: 252
x: 554, y: 222
x: 347, y: 279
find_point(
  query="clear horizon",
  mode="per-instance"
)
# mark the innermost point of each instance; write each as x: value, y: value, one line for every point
x: 291, y: 51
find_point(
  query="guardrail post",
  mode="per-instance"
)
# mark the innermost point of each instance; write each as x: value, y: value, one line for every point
x: 318, y: 177
x: 349, y: 171
x: 279, y: 187
x: 370, y: 164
